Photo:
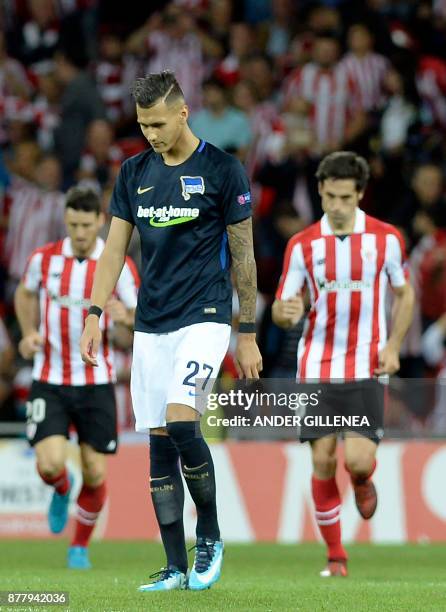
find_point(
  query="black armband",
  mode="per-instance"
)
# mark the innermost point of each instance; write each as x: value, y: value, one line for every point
x: 247, y: 328
x: 95, y: 310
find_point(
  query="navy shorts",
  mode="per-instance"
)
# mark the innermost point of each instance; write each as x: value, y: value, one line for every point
x: 91, y: 409
x: 352, y: 399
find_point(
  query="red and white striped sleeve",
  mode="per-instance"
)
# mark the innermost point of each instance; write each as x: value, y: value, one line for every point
x: 32, y: 276
x: 128, y: 284
x: 293, y: 277
x: 396, y: 263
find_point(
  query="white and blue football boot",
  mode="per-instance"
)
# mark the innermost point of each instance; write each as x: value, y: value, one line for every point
x: 207, y: 564
x: 167, y: 579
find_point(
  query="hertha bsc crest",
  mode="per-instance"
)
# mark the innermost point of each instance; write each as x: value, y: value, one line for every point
x: 191, y: 185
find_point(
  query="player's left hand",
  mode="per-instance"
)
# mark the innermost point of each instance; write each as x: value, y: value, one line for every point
x: 248, y: 360
x: 117, y: 311
x: 388, y: 360
x: 90, y: 341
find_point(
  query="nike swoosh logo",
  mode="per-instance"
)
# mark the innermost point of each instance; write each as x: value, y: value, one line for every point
x: 141, y: 190
x: 212, y: 571
x: 175, y: 221
x: 198, y: 467
x: 192, y: 394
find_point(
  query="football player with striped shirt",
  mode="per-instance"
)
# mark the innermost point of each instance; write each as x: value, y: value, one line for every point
x: 365, y: 68
x: 65, y: 391
x: 346, y: 261
x: 191, y: 203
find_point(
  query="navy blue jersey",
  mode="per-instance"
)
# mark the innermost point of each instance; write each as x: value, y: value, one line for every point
x: 181, y: 213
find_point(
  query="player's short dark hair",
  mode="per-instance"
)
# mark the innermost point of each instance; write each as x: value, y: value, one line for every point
x: 85, y: 199
x: 148, y: 90
x: 344, y: 165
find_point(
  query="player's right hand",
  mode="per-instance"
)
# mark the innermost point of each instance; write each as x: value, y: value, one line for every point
x: 30, y: 345
x: 287, y: 313
x: 90, y: 340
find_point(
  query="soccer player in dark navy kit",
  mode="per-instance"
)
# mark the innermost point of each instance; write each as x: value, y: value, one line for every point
x: 191, y: 203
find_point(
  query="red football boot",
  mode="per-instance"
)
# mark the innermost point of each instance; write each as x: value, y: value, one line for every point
x: 335, y: 568
x: 366, y: 497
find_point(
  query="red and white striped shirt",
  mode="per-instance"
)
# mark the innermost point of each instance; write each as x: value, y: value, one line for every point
x: 333, y: 97
x: 36, y: 217
x: 265, y: 121
x: 431, y: 85
x: 347, y: 278
x: 368, y: 74
x: 114, y: 81
x: 64, y: 284
x: 184, y: 56
x: 46, y: 117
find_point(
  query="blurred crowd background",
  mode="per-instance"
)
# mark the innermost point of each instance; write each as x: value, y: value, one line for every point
x: 278, y: 83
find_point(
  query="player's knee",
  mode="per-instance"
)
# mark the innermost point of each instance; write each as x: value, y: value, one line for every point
x: 324, y: 465
x: 93, y: 473
x: 93, y: 478
x: 182, y: 432
x: 361, y: 464
x: 163, y: 456
x: 50, y: 467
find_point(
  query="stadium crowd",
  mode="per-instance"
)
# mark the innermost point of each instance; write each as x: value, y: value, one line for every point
x: 278, y: 83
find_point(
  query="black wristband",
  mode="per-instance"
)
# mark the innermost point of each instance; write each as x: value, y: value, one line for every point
x: 247, y: 328
x: 95, y: 310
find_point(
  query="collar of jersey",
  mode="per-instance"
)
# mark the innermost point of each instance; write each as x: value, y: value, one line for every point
x: 67, y: 249
x: 198, y: 149
x: 359, y: 227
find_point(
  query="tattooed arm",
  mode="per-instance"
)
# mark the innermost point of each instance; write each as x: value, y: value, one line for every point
x: 248, y: 358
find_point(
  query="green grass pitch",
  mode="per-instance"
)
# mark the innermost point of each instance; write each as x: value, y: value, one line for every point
x: 255, y: 577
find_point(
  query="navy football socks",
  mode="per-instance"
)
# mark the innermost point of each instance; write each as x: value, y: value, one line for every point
x: 166, y: 488
x: 198, y: 471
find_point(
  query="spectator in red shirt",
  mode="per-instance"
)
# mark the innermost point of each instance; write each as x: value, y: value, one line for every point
x: 173, y: 41
x: 365, y: 67
x: 324, y: 91
x: 114, y: 72
x: 431, y: 84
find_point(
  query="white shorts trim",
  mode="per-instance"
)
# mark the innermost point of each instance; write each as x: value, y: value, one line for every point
x: 165, y: 367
